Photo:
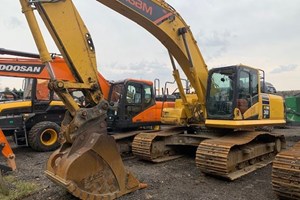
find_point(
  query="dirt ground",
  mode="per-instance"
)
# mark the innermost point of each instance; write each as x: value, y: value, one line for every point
x: 177, y: 179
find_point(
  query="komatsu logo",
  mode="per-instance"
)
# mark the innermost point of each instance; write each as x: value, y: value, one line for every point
x: 31, y: 69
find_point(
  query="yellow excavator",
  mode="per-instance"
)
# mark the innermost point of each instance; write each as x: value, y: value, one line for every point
x: 227, y: 116
x: 221, y: 117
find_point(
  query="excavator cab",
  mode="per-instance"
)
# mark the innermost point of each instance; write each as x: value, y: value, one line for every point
x: 230, y: 88
x: 129, y: 100
x: 234, y: 93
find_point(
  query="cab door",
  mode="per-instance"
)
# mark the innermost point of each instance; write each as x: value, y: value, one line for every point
x: 134, y: 99
x: 247, y: 92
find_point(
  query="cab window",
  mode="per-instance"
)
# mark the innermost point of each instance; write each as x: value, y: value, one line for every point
x: 116, y: 93
x: 244, y: 84
x: 248, y: 90
x: 254, y: 88
x: 134, y: 94
x: 220, y: 96
x: 27, y: 88
x: 148, y: 94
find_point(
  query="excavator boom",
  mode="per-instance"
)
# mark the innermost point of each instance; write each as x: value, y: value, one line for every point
x: 34, y: 68
x: 163, y: 22
x: 29, y: 65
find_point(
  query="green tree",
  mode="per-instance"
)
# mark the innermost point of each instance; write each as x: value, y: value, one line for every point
x: 6, y: 89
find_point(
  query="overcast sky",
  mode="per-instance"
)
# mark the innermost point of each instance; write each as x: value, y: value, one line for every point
x: 264, y: 34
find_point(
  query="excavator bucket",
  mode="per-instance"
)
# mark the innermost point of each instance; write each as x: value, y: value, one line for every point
x: 91, y: 167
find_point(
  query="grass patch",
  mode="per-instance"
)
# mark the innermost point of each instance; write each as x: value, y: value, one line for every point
x: 18, y: 188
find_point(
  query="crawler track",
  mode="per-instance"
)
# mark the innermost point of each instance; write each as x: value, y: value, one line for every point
x: 152, y: 147
x: 237, y: 154
x: 286, y: 173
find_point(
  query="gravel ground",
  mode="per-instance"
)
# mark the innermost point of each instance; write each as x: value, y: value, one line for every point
x: 177, y: 179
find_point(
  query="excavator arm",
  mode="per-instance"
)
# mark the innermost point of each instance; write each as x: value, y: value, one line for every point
x: 88, y: 163
x: 79, y: 55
